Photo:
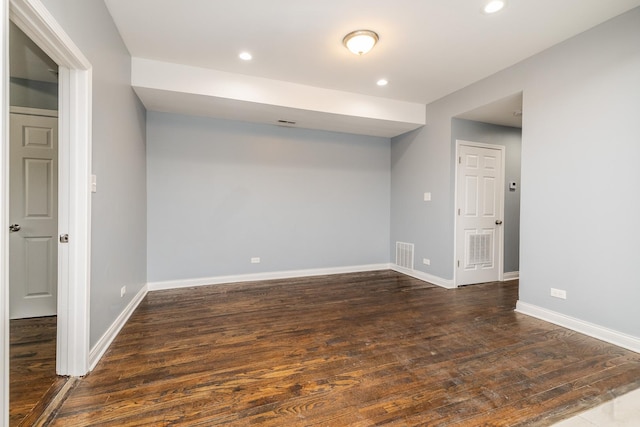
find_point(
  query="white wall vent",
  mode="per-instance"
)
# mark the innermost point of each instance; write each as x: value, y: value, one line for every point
x: 404, y: 255
x: 480, y: 248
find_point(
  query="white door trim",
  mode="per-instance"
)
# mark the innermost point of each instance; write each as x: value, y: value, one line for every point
x: 502, y: 149
x: 33, y: 111
x: 4, y: 216
x: 74, y: 181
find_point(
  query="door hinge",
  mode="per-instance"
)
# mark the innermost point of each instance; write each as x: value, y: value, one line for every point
x: 64, y: 238
x: 460, y: 160
x: 458, y: 263
x: 458, y: 212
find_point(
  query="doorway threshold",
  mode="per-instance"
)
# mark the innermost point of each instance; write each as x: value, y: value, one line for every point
x: 50, y: 402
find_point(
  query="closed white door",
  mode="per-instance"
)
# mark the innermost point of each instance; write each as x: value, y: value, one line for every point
x: 480, y: 195
x: 33, y: 209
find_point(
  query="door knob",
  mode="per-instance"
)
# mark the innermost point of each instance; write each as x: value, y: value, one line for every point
x: 14, y: 227
x: 498, y: 221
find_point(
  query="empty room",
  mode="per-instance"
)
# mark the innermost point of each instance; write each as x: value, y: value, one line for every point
x: 240, y: 212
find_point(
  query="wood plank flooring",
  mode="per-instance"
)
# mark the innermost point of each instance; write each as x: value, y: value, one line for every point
x: 360, y: 349
x: 33, y: 380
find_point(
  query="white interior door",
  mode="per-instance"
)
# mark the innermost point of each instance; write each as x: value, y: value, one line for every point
x: 33, y: 209
x: 480, y: 210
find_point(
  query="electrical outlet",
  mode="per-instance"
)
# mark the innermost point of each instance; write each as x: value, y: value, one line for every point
x: 427, y: 197
x: 123, y: 290
x: 426, y: 261
x: 559, y: 293
x: 255, y: 260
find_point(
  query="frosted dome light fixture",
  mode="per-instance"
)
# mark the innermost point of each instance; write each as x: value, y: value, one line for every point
x: 361, y: 41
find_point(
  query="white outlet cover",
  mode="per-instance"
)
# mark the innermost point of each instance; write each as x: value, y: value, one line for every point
x: 426, y: 261
x: 427, y: 197
x: 255, y: 260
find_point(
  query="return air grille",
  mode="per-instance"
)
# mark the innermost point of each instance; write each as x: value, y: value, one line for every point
x: 480, y: 249
x: 404, y: 255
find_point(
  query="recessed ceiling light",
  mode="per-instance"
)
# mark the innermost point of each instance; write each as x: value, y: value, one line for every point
x: 494, y: 6
x: 382, y: 82
x: 245, y: 56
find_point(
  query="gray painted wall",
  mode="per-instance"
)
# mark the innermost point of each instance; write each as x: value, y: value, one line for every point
x: 580, y: 177
x: 33, y: 94
x: 511, y: 139
x: 579, y: 200
x: 118, y: 233
x: 221, y: 192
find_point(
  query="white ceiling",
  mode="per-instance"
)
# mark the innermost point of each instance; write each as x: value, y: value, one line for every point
x: 427, y: 48
x: 504, y: 112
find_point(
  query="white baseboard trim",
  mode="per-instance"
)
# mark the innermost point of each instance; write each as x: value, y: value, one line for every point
x: 425, y: 277
x: 290, y: 274
x: 511, y: 275
x: 591, y: 329
x: 98, y: 350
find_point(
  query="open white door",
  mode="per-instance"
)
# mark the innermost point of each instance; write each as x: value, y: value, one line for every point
x: 33, y: 239
x: 479, y: 212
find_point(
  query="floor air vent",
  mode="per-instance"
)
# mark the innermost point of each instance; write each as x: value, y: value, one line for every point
x: 404, y: 255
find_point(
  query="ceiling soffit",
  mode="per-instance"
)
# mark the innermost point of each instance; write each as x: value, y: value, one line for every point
x: 183, y: 89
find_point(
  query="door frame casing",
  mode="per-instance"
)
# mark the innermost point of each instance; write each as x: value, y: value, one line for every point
x: 4, y: 214
x: 502, y: 149
x: 75, y: 97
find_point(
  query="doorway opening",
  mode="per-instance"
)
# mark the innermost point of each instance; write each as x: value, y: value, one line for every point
x: 33, y: 232
x: 74, y: 208
x: 498, y: 124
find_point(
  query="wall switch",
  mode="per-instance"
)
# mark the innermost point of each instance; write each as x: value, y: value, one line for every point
x: 427, y: 197
x: 123, y: 290
x: 426, y: 261
x: 255, y: 260
x: 94, y: 186
x: 558, y: 293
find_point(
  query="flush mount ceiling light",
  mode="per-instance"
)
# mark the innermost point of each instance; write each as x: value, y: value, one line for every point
x: 382, y: 82
x: 245, y: 56
x: 360, y: 41
x: 494, y: 6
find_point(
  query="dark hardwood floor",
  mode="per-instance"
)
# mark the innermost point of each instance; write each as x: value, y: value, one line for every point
x: 33, y: 380
x: 345, y: 350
